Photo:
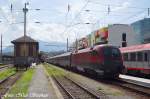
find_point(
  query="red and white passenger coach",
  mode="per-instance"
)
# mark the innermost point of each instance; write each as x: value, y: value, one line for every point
x: 137, y: 59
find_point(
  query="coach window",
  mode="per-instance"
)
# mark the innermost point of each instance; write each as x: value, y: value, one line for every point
x: 139, y: 56
x: 133, y: 56
x: 145, y: 57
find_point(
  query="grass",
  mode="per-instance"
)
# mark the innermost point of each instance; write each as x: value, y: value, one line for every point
x: 53, y: 70
x: 20, y: 88
x: 6, y: 73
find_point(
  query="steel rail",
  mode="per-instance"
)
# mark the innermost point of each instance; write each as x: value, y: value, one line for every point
x: 84, y: 88
x: 6, y: 66
x: 69, y: 94
x: 133, y: 86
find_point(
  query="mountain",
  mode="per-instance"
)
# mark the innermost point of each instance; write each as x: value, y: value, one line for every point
x: 52, y: 46
x: 43, y: 46
x: 8, y: 49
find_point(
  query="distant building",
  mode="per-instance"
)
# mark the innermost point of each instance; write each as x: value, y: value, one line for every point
x: 142, y: 28
x: 120, y: 35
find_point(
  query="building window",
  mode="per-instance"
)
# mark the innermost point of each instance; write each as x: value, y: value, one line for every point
x: 123, y: 36
x: 124, y: 43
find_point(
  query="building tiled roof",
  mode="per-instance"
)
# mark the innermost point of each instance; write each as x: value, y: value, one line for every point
x: 24, y: 39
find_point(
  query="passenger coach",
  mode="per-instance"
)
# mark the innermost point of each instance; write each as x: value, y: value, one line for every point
x: 137, y: 59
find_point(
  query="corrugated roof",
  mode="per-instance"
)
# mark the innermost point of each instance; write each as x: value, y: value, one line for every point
x: 24, y: 39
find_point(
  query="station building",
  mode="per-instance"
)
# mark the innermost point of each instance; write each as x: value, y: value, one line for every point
x: 142, y: 28
x: 26, y: 51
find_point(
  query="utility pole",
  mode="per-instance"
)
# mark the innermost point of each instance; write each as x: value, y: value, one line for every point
x: 25, y: 10
x: 1, y: 49
x: 108, y: 9
x: 67, y: 44
x: 76, y: 44
x: 148, y: 11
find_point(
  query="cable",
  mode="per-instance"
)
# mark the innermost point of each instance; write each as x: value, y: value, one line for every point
x: 76, y: 16
x: 132, y: 16
x: 4, y: 15
x: 114, y: 5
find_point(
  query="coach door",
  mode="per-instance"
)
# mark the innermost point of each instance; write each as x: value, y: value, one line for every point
x: 146, y: 60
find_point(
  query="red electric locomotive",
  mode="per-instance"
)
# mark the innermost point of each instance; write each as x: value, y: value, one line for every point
x: 105, y: 60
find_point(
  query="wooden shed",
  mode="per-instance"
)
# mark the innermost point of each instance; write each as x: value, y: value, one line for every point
x: 26, y: 51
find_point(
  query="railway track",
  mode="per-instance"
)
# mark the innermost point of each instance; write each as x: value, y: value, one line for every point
x: 5, y: 66
x: 73, y: 90
x: 141, y: 89
x: 7, y: 83
x: 145, y: 90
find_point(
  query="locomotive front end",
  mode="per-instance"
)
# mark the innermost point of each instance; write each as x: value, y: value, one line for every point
x: 113, y: 63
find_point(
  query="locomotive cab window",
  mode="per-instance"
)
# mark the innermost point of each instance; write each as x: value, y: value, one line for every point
x: 115, y: 52
x: 111, y: 52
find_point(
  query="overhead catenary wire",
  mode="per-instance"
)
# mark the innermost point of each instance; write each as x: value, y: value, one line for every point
x: 76, y: 16
x: 115, y: 5
x: 132, y: 16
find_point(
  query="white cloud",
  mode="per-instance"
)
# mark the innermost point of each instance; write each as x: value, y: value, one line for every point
x: 54, y: 31
x: 124, y: 5
x: 46, y: 32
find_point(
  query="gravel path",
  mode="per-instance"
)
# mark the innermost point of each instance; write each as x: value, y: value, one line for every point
x: 40, y: 87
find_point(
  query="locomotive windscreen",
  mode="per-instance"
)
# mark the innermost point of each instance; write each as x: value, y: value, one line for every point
x: 110, y: 52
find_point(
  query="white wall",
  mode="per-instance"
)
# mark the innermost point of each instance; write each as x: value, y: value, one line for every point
x: 115, y: 35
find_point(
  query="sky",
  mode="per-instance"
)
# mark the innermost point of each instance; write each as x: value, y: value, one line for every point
x: 57, y: 23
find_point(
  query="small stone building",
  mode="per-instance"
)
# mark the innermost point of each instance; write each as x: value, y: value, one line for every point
x: 25, y: 51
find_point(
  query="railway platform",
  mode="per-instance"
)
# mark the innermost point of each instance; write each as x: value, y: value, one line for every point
x: 40, y: 86
x: 136, y: 80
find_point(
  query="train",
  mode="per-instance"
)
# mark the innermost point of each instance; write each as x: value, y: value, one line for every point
x: 137, y: 59
x: 101, y: 60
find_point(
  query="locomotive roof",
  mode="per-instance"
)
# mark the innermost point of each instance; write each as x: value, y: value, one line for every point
x: 136, y: 48
x: 83, y: 50
x: 24, y: 39
x: 95, y: 47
